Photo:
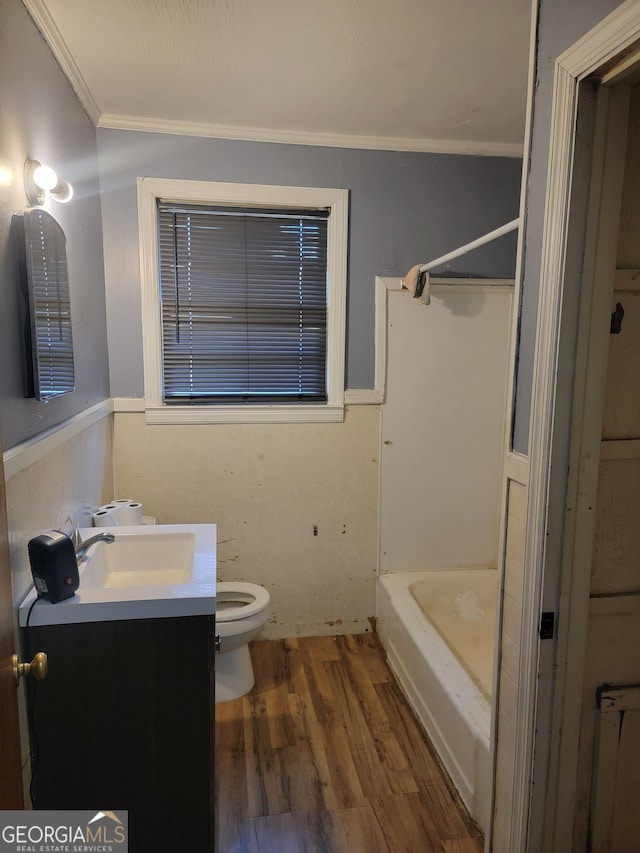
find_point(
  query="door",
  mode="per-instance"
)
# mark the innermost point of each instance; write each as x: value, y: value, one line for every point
x: 11, y: 796
x: 586, y: 169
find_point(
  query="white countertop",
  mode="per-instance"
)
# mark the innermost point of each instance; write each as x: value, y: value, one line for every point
x: 94, y: 602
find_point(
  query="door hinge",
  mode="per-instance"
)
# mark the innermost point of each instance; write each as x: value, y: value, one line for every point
x: 547, y: 625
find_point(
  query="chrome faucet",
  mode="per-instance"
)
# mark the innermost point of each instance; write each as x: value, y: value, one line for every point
x: 83, y: 547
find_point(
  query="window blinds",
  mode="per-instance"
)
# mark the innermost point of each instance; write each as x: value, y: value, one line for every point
x: 244, y: 304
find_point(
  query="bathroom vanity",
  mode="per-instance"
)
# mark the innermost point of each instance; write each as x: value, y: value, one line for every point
x: 124, y: 718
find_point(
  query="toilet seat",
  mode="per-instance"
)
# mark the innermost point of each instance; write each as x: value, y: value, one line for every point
x: 249, y: 598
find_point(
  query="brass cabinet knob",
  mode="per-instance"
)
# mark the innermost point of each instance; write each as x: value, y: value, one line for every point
x: 37, y: 667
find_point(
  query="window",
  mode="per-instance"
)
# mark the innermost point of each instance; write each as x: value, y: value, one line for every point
x: 244, y: 291
x: 244, y: 304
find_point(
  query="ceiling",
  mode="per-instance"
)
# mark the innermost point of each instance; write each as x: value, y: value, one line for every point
x: 424, y: 75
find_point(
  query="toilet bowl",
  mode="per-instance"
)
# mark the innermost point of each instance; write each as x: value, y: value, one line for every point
x: 242, y: 610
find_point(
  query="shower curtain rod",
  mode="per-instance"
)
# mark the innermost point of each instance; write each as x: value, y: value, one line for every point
x: 492, y: 235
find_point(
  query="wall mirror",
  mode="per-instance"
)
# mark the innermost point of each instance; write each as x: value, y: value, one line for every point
x: 49, y: 305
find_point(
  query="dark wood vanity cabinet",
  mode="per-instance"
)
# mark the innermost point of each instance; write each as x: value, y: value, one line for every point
x: 124, y: 720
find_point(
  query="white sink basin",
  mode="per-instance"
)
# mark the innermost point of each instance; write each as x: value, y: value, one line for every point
x: 140, y: 559
x: 147, y: 572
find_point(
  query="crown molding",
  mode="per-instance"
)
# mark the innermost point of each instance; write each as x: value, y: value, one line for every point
x: 53, y: 37
x: 295, y: 137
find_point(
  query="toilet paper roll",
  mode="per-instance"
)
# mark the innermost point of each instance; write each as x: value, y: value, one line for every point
x: 120, y: 513
x: 102, y: 518
x: 129, y: 514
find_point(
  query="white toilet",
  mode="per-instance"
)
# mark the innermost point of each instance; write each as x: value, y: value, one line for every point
x: 242, y: 610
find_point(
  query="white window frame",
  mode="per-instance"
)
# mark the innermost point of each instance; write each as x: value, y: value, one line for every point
x: 152, y: 190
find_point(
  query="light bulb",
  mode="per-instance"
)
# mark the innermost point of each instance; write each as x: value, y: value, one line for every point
x: 40, y: 179
x: 62, y: 192
x: 45, y: 177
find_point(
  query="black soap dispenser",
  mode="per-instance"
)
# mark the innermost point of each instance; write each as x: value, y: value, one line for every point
x: 54, y: 566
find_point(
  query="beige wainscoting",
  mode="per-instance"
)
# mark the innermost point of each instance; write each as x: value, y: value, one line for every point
x: 296, y: 507
x: 51, y: 480
x: 53, y: 483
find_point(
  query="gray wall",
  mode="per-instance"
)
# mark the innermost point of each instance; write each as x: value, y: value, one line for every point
x: 405, y: 208
x: 561, y: 23
x: 41, y: 117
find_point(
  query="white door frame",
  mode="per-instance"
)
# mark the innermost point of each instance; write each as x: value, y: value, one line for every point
x: 543, y: 671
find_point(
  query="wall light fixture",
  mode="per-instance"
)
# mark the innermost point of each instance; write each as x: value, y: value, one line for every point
x: 40, y: 179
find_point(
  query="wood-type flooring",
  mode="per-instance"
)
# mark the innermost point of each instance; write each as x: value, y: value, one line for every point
x: 324, y: 754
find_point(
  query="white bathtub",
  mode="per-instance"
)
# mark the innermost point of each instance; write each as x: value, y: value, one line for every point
x: 448, y: 681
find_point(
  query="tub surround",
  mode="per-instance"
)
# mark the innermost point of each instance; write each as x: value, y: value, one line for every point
x: 443, y: 425
x: 442, y: 451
